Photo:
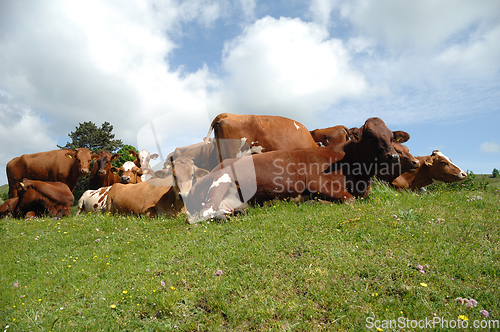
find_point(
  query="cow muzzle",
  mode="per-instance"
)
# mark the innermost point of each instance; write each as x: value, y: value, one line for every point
x: 84, y: 171
x: 462, y: 175
x: 125, y: 179
x: 392, y: 158
x: 102, y: 172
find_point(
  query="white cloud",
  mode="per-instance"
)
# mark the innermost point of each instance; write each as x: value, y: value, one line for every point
x: 287, y: 66
x: 419, y: 25
x: 490, y: 147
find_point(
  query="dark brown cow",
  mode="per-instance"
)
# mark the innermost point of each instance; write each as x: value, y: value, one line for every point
x: 204, y: 154
x: 101, y: 175
x: 330, y: 136
x: 8, y: 207
x: 436, y: 167
x: 57, y: 166
x: 339, y: 172
x: 257, y: 133
x: 128, y: 173
x: 43, y: 197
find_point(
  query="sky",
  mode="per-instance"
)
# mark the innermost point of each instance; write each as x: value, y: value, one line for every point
x: 160, y: 71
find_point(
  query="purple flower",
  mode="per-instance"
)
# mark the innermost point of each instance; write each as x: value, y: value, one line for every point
x: 162, y: 283
x: 420, y: 267
x: 218, y: 273
x: 16, y: 284
x: 98, y: 240
x: 460, y: 300
x: 422, y: 271
x: 484, y: 313
x: 36, y: 239
x: 184, y: 281
x: 471, y: 303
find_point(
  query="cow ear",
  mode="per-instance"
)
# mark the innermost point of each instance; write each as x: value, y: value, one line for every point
x: 354, y: 134
x: 200, y: 172
x: 115, y: 156
x: 401, y: 136
x: 95, y: 156
x: 163, y: 173
x: 428, y: 161
x: 139, y: 171
x: 71, y: 154
x: 154, y: 156
x: 132, y: 153
x: 114, y: 170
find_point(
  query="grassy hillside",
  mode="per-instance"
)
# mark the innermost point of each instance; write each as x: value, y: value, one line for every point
x: 397, y: 256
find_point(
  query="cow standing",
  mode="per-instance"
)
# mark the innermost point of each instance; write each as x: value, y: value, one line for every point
x: 64, y: 166
x: 101, y: 175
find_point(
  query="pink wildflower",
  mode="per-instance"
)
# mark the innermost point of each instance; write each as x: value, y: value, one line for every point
x: 218, y: 273
x: 98, y: 240
x: 484, y: 313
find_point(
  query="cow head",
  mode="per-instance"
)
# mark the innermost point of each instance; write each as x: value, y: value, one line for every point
x: 82, y: 157
x: 441, y: 168
x: 128, y: 173
x: 376, y: 141
x: 143, y: 157
x: 103, y: 159
x: 184, y: 172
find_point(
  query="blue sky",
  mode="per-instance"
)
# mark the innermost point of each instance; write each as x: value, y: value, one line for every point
x: 429, y: 68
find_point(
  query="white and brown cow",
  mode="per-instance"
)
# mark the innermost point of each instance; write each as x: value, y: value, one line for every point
x: 142, y: 160
x: 434, y: 168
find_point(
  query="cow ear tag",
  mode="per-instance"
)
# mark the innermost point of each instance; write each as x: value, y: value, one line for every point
x: 428, y: 163
x: 69, y: 156
x: 398, y: 139
x: 22, y: 184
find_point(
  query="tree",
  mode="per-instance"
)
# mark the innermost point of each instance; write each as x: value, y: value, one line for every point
x: 495, y: 173
x: 124, y: 155
x: 89, y: 136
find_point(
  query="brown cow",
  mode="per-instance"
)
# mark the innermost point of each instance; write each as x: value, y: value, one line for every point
x: 150, y: 198
x: 128, y: 173
x: 436, y: 167
x: 57, y: 166
x: 101, y: 175
x: 339, y: 172
x: 330, y: 136
x: 8, y: 207
x: 41, y: 197
x: 257, y: 133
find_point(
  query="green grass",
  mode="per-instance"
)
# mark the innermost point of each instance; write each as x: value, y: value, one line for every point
x: 291, y: 267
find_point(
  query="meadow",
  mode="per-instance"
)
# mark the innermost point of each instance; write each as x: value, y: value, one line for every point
x: 397, y: 256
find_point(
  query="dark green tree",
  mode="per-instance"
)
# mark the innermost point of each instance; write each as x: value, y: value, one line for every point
x: 495, y: 173
x: 88, y: 135
x: 124, y: 155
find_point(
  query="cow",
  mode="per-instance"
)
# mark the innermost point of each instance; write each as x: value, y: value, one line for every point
x: 434, y: 168
x: 8, y: 207
x: 95, y: 199
x: 56, y: 166
x: 204, y: 154
x: 100, y: 174
x: 128, y: 173
x: 330, y: 136
x: 43, y: 197
x: 151, y: 198
x: 335, y: 173
x: 176, y: 179
x: 142, y: 160
x: 237, y: 134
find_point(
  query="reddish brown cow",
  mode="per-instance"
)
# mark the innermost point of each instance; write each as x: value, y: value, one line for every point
x: 257, y: 133
x: 436, y: 167
x: 57, y: 166
x: 330, y: 136
x: 339, y: 172
x: 8, y: 207
x: 101, y: 175
x: 150, y: 198
x: 41, y: 197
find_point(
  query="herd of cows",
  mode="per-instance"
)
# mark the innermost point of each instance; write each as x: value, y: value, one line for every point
x: 252, y: 159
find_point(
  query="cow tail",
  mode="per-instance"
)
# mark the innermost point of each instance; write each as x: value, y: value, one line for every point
x: 214, y: 125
